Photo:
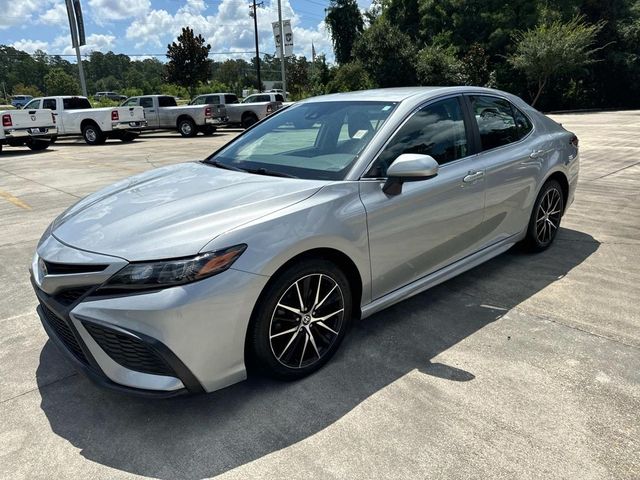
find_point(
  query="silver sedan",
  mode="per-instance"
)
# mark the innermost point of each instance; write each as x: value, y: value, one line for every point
x: 179, y: 279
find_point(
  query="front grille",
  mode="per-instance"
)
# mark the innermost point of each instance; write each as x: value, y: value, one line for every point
x: 70, y: 295
x: 70, y: 268
x: 64, y: 332
x: 128, y: 351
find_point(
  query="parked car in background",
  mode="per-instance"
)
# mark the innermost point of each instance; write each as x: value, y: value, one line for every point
x: 20, y: 101
x: 337, y: 207
x: 75, y: 116
x: 163, y: 113
x: 33, y: 128
x: 280, y: 91
x: 109, y: 96
x: 245, y: 114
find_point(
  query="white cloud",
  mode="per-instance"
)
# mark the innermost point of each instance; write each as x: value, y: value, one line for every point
x: 229, y: 30
x: 55, y: 16
x: 105, y: 11
x: 30, y: 46
x: 17, y: 12
x: 96, y: 41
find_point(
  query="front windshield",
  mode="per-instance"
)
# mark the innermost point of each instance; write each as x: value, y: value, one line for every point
x: 315, y: 140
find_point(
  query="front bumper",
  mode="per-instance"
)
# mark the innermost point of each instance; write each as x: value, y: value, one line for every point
x: 186, y: 339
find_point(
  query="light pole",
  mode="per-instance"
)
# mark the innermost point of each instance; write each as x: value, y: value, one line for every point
x: 76, y: 25
x: 254, y: 14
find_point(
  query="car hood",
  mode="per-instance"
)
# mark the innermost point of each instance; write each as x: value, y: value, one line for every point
x: 174, y: 211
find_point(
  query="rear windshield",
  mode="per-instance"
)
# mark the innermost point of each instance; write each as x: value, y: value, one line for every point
x: 75, y: 103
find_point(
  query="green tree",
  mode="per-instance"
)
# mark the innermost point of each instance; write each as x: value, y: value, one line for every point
x: 345, y: 25
x: 59, y: 82
x: 387, y: 54
x: 553, y: 49
x: 350, y: 77
x: 188, y: 60
x: 437, y: 65
x: 22, y: 89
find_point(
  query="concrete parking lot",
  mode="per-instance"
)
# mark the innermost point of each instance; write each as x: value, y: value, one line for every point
x: 525, y: 367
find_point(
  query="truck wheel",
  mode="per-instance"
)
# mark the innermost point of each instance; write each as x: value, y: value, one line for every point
x: 248, y: 120
x: 37, y: 145
x: 208, y: 130
x: 93, y: 135
x: 53, y: 140
x: 128, y: 137
x: 187, y: 127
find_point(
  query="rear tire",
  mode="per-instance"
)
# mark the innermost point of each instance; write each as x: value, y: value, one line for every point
x: 187, y: 127
x: 248, y: 120
x: 545, y: 217
x: 53, y: 140
x: 93, y: 135
x: 128, y: 137
x: 294, y: 341
x: 37, y: 145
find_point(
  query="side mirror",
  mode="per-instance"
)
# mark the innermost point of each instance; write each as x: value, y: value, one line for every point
x: 409, y: 167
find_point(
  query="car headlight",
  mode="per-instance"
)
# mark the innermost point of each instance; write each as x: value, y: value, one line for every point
x: 170, y: 273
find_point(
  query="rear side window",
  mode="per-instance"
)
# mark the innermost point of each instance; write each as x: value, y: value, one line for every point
x: 495, y: 120
x: 167, y: 102
x: 523, y: 124
x: 437, y: 130
x: 74, y: 103
x: 279, y: 98
x: 230, y: 99
x: 132, y: 102
x: 49, y: 103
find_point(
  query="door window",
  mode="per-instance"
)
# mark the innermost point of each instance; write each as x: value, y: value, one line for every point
x: 49, y: 103
x: 146, y: 102
x: 32, y: 104
x: 132, y: 102
x: 523, y: 124
x: 495, y: 120
x: 166, y: 102
x: 437, y: 130
x: 230, y: 99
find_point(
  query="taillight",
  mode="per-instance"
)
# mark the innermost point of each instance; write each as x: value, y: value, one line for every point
x: 53, y: 117
x: 6, y: 120
x: 574, y: 141
x: 207, y: 112
x: 115, y: 116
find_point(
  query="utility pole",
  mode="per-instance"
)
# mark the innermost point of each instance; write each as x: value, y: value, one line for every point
x: 284, y: 79
x: 254, y: 14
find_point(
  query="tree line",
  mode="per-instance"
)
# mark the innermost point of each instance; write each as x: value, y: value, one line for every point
x: 568, y: 54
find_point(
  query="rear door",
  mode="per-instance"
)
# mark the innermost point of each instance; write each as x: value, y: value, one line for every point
x: 52, y: 104
x: 513, y: 163
x: 432, y: 222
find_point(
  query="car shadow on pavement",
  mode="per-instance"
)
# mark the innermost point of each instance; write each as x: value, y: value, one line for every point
x: 203, y: 436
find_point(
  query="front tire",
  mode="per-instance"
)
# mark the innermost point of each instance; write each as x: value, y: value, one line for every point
x: 248, y: 120
x: 187, y: 127
x: 208, y: 130
x: 93, y: 135
x: 128, y: 137
x: 545, y: 218
x: 300, y: 320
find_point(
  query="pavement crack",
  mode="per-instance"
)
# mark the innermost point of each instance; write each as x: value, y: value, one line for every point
x: 38, y: 183
x: 614, y: 172
x: 39, y: 387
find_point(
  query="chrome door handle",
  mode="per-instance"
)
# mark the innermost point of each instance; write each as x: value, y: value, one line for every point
x: 536, y: 153
x: 473, y: 176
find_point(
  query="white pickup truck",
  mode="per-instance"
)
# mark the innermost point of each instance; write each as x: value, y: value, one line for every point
x: 31, y: 127
x: 75, y: 116
x: 245, y: 113
x: 163, y: 113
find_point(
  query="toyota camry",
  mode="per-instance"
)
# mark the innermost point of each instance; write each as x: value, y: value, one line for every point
x: 328, y: 211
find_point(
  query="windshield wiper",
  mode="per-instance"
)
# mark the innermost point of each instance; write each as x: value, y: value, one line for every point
x: 272, y: 173
x: 218, y: 164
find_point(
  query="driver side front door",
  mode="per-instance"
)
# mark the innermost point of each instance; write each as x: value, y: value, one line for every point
x: 432, y: 222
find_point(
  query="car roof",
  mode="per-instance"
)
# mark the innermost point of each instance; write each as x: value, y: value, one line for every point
x: 399, y: 94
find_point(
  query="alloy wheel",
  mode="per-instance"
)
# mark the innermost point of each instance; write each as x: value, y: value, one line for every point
x: 306, y: 321
x: 548, y: 216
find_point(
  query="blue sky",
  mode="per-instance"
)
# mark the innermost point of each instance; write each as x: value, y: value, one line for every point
x: 144, y: 27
